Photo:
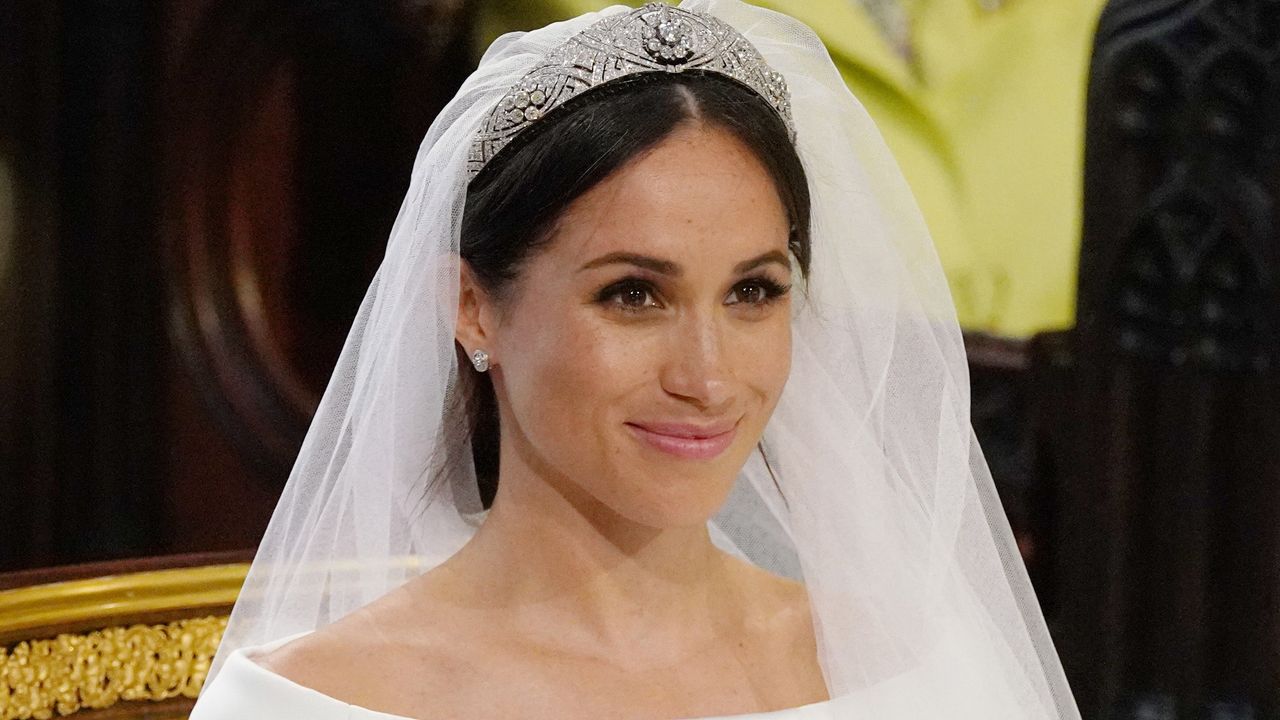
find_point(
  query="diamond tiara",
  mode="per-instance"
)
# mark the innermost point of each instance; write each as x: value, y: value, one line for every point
x: 654, y: 38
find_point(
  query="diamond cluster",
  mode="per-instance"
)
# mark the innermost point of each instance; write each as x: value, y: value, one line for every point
x: 653, y: 38
x: 668, y: 38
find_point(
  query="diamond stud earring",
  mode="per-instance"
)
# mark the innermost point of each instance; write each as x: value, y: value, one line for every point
x: 480, y: 360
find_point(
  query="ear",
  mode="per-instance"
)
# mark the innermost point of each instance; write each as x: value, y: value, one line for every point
x: 476, y: 325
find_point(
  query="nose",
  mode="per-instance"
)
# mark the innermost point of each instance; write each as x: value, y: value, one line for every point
x: 695, y: 370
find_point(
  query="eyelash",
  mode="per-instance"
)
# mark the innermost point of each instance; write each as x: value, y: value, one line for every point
x: 611, y: 295
x: 773, y: 290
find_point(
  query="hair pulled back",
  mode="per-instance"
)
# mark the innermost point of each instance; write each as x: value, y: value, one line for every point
x: 513, y: 204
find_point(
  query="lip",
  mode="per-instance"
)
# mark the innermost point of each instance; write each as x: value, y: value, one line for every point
x: 687, y: 441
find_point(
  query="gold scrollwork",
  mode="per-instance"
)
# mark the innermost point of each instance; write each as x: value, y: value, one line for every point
x: 39, y: 678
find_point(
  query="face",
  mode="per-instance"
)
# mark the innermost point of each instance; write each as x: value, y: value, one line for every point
x: 640, y: 353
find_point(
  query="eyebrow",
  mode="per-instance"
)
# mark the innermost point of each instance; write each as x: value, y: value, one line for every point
x: 658, y: 265
x: 773, y: 256
x: 667, y: 267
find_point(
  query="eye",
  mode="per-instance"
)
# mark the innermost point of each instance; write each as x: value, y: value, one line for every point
x: 630, y: 295
x: 756, y: 291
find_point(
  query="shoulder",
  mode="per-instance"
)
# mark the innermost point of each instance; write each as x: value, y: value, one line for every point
x: 778, y: 640
x: 327, y: 661
x: 775, y: 606
x: 375, y: 658
x: 772, y: 590
x: 243, y: 688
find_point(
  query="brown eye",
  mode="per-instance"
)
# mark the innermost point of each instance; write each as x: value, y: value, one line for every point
x: 750, y: 293
x: 630, y: 296
x: 633, y: 297
x: 757, y: 291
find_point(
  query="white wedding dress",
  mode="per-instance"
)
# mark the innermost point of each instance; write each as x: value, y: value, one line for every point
x: 245, y: 689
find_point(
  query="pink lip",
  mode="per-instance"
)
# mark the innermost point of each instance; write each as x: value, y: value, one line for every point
x: 691, y: 442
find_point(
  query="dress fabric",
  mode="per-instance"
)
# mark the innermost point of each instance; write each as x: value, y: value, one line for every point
x: 245, y: 689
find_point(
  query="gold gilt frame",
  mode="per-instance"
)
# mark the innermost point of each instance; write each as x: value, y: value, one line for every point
x: 129, y: 645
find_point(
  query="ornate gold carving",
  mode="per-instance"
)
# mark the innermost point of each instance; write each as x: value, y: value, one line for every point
x: 41, y: 678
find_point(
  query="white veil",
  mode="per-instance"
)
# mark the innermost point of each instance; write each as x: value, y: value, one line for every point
x: 887, y: 511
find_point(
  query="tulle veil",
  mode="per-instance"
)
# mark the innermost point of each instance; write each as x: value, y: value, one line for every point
x: 883, y: 506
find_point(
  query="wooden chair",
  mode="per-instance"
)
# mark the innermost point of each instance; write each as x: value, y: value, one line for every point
x: 130, y: 639
x: 1159, y: 414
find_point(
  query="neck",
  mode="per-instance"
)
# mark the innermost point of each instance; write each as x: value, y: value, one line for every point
x: 561, y: 564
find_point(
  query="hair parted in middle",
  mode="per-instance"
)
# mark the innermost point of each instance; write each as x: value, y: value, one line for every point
x: 513, y: 204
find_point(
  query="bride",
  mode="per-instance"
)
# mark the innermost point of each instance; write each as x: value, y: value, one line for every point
x: 657, y: 408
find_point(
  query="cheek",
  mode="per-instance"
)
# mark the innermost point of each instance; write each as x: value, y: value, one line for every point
x: 762, y: 356
x: 781, y: 367
x: 568, y: 377
x: 778, y: 366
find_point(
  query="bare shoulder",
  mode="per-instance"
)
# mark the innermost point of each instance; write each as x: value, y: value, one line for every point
x: 775, y: 589
x: 341, y: 660
x: 776, y: 602
x: 779, y: 625
x: 371, y: 658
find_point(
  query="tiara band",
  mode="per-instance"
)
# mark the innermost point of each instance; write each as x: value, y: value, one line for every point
x: 653, y: 38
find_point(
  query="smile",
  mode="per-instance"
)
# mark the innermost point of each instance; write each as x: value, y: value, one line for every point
x: 685, y: 441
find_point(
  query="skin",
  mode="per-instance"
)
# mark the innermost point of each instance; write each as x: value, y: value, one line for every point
x: 592, y: 588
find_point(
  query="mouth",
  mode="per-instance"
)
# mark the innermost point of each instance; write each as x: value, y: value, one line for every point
x: 686, y: 441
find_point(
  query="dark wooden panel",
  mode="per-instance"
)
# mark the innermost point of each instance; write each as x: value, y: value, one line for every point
x: 1168, y: 469
x: 293, y: 128
x: 292, y: 132
x: 204, y: 190
x: 28, y: 83
x: 86, y: 293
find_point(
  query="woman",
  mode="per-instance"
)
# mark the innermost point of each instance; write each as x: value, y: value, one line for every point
x: 587, y: 453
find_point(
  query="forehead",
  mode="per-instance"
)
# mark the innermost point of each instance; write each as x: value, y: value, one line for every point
x: 698, y: 196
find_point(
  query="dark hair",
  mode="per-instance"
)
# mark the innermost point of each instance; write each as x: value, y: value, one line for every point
x: 513, y: 204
